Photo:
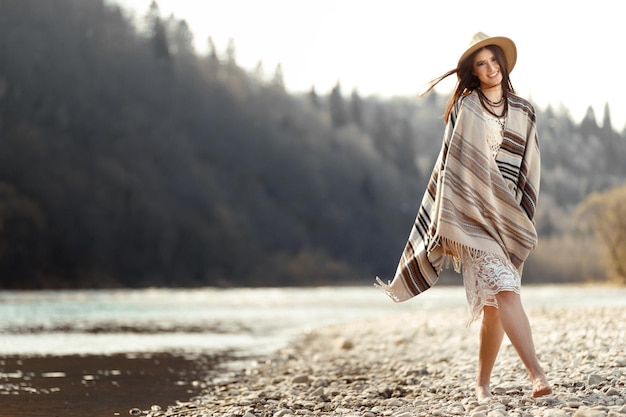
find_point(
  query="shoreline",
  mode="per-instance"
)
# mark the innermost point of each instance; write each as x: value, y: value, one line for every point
x: 416, y: 364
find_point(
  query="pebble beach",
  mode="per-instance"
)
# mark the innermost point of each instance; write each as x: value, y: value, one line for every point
x: 413, y: 364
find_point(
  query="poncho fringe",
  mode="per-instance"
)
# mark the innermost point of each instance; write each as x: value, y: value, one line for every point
x: 473, y: 204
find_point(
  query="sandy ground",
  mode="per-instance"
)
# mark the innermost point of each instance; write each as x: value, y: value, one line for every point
x: 412, y: 365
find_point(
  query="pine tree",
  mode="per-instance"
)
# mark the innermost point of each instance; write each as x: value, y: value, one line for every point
x: 231, y: 53
x: 259, y: 72
x: 212, y: 51
x: 338, y: 112
x: 315, y: 100
x: 356, y: 105
x: 607, y: 127
x: 157, y: 32
x: 278, y: 79
x: 589, y: 125
x: 182, y: 38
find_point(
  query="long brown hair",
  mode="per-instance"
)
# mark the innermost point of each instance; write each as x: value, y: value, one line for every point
x: 468, y: 82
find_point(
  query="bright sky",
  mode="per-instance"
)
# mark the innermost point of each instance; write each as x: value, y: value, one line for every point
x: 568, y: 52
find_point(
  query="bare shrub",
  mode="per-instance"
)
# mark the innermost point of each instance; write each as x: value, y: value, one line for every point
x: 605, y: 215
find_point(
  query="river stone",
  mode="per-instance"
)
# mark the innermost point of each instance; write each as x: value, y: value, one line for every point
x: 595, y: 379
x: 589, y: 413
x: 300, y: 379
x: 555, y: 412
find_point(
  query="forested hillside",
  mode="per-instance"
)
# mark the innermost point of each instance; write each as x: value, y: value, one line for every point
x: 127, y: 159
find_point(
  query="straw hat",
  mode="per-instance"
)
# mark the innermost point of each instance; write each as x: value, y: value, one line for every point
x: 480, y: 40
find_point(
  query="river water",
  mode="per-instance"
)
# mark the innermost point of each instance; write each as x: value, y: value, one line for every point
x: 103, y: 353
x: 209, y: 320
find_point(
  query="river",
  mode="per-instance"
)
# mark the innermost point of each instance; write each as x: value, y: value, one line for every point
x: 101, y: 353
x: 256, y: 320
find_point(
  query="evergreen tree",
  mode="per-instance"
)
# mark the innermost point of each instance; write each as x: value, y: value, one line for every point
x: 157, y: 32
x: 231, y: 53
x: 181, y: 37
x: 212, y: 50
x: 278, y: 79
x: 589, y: 125
x: 338, y: 111
x: 356, y: 105
x: 314, y: 98
x: 614, y: 148
x: 606, y: 122
x: 259, y: 72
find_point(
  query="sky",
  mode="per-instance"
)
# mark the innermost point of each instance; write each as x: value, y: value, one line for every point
x: 569, y: 53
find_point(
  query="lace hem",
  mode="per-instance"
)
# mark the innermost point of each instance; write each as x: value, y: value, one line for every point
x: 484, y: 275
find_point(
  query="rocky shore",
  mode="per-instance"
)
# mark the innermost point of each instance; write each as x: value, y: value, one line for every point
x: 424, y: 365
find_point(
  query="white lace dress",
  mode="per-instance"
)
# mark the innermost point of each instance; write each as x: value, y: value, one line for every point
x: 487, y: 275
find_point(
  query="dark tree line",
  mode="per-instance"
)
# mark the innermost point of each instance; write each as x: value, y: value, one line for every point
x: 127, y: 159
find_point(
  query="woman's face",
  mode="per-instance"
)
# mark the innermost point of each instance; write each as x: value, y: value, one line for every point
x: 487, y: 69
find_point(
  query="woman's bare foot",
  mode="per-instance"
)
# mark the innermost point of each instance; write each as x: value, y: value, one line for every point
x: 541, y: 387
x: 483, y: 393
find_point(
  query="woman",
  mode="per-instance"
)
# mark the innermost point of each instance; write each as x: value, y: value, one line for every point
x: 479, y: 207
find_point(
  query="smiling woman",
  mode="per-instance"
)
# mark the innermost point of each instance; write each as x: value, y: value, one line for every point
x: 485, y: 180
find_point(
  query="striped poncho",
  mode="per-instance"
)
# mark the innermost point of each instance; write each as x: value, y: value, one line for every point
x: 474, y: 203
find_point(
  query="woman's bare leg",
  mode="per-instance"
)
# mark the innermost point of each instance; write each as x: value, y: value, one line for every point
x: 491, y: 335
x: 517, y: 327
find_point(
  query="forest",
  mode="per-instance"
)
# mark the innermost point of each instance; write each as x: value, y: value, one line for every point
x: 127, y: 159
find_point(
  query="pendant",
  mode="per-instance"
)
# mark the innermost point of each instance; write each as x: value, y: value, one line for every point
x: 502, y: 133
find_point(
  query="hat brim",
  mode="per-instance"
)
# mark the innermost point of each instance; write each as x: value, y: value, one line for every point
x: 506, y: 44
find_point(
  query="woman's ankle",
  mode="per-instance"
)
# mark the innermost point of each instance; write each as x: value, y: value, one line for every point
x: 483, y: 392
